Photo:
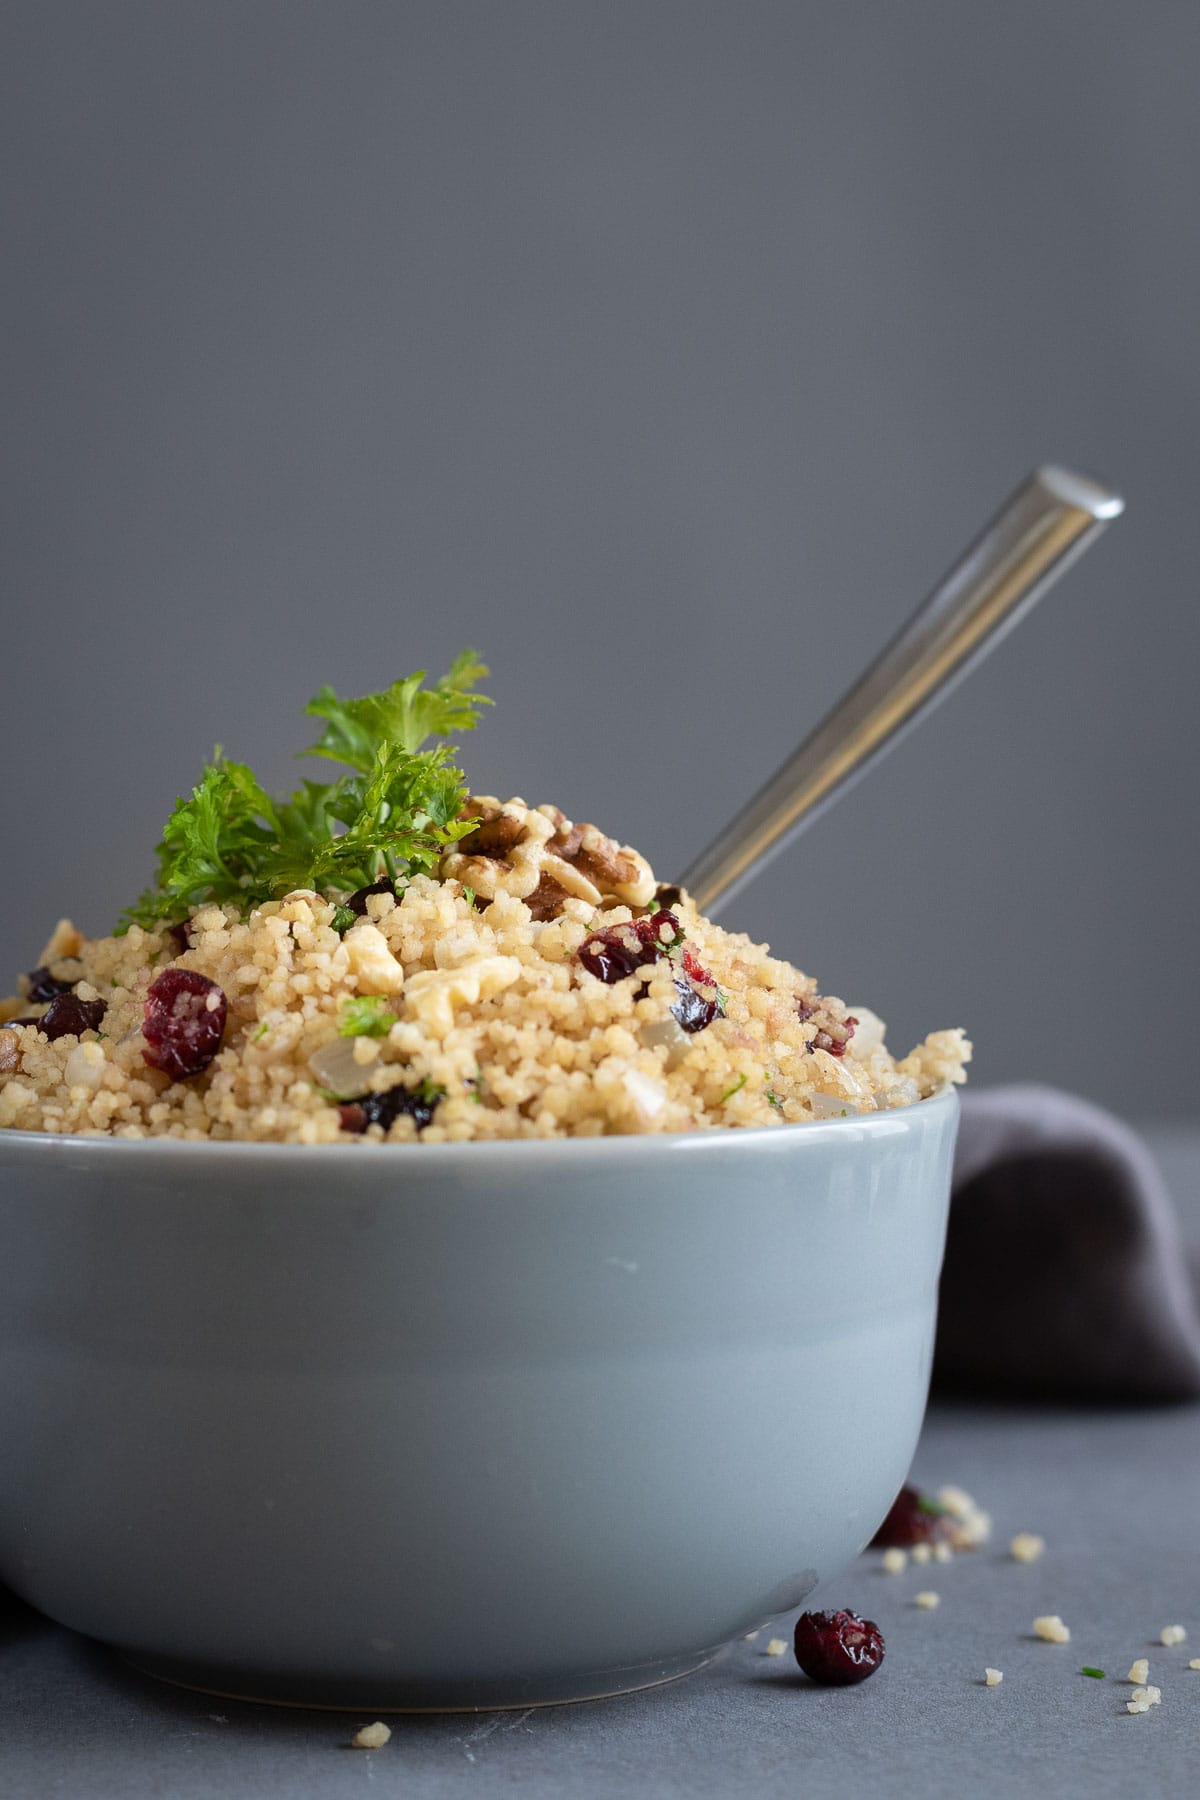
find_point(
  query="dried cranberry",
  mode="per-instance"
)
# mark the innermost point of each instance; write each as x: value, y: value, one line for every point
x: 661, y: 930
x: 184, y: 1023
x: 693, y: 1011
x: 619, y: 950
x: 180, y: 934
x: 613, y: 954
x: 44, y: 986
x: 699, y: 998
x: 358, y: 900
x: 837, y: 1648
x: 68, y: 1016
x: 912, y: 1519
x: 668, y: 895
x: 836, y: 1036
x: 383, y: 1109
x: 832, y: 1034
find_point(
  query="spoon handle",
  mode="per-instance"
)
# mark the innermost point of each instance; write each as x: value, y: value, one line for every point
x: 1045, y: 524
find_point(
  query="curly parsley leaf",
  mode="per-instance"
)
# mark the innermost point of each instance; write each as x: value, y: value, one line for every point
x: 394, y: 815
x: 404, y: 714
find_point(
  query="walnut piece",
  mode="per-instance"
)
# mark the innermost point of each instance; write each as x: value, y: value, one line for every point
x: 372, y: 961
x: 540, y: 856
x: 433, y: 995
x: 66, y: 940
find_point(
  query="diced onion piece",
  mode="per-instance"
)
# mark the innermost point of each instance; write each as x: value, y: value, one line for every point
x: 336, y: 1067
x: 666, y: 1031
x: 647, y: 1096
x: 831, y: 1106
x: 869, y: 1032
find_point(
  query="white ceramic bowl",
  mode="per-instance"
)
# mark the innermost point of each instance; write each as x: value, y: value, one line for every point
x: 458, y: 1426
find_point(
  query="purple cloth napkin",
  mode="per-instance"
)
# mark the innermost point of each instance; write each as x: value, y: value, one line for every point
x: 1065, y: 1276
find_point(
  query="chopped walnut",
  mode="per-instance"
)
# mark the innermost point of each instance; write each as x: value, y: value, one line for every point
x: 10, y: 1052
x: 539, y: 856
x: 546, y: 900
x: 66, y: 940
x: 371, y: 960
x: 499, y: 827
x: 434, y: 994
x: 614, y: 868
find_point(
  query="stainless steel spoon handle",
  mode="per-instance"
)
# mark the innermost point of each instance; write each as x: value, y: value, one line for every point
x: 1050, y: 519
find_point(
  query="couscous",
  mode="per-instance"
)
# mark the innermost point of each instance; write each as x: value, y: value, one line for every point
x: 390, y: 957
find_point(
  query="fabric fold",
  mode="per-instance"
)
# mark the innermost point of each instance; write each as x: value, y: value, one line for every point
x: 1066, y: 1276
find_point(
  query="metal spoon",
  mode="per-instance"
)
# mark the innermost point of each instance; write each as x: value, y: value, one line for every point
x: 1037, y: 533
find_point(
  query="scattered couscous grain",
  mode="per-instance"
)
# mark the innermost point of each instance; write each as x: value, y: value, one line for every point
x: 371, y: 1737
x: 970, y: 1526
x: 1026, y: 1547
x: 1170, y: 1635
x: 776, y: 1647
x: 927, y: 1599
x: 894, y: 1562
x: 1143, y: 1698
x: 943, y: 1553
x: 921, y: 1553
x: 1194, y: 1662
x: 1050, y: 1628
x: 993, y: 1677
x: 1139, y: 1671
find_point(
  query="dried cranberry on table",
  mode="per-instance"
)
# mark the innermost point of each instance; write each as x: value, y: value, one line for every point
x: 383, y: 1109
x: 184, y: 1023
x: 44, y: 986
x: 837, y: 1648
x: 911, y: 1519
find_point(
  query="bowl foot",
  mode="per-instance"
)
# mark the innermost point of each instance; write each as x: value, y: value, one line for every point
x: 405, y: 1695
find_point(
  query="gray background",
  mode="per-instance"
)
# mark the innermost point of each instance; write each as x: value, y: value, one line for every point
x: 667, y: 353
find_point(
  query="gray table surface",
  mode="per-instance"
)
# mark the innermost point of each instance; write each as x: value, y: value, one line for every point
x: 1115, y: 1493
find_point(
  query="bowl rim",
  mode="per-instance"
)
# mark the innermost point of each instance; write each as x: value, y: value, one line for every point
x: 629, y: 1145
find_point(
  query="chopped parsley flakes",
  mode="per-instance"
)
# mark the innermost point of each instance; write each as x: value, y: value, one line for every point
x: 365, y: 1015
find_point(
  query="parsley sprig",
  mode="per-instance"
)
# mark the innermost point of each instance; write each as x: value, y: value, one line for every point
x: 394, y: 814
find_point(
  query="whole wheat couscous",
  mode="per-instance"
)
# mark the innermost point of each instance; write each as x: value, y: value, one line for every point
x: 387, y: 956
